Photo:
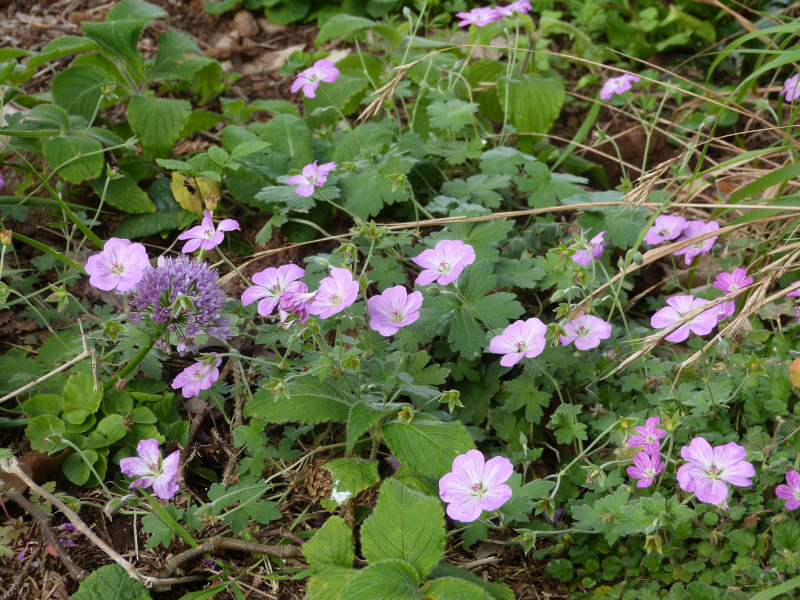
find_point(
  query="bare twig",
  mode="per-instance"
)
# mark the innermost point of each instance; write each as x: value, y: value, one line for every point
x: 64, y: 367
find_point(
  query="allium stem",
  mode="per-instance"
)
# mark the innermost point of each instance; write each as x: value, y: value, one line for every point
x: 129, y: 368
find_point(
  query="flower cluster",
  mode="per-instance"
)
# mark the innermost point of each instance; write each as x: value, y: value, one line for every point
x: 183, y: 298
x: 668, y: 227
x: 480, y: 17
x: 647, y: 464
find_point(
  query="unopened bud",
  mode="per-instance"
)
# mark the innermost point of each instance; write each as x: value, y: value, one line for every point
x: 5, y: 237
x: 211, y: 202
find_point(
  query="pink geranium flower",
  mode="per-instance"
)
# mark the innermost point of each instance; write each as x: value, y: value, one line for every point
x: 393, y: 309
x: 596, y: 246
x: 309, y: 80
x: 665, y: 228
x: 648, y: 436
x: 478, y: 17
x: 445, y: 262
x: 119, y: 266
x: 205, y: 236
x: 693, y: 229
x: 791, y: 492
x: 151, y: 470
x: 725, y: 310
x: 269, y: 286
x: 586, y: 331
x: 474, y: 485
x: 709, y: 469
x: 522, y: 7
x: 313, y: 176
x: 645, y: 468
x: 200, y: 376
x: 617, y: 85
x: 732, y: 282
x: 294, y: 301
x: 521, y: 339
x: 335, y: 293
x: 678, y: 307
x: 791, y: 88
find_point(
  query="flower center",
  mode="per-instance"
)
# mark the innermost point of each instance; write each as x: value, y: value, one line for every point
x: 664, y: 231
x: 444, y: 267
x: 208, y: 233
x: 335, y: 299
x: 117, y: 268
x: 733, y: 287
x: 582, y: 331
x: 713, y: 472
x: 797, y: 494
x: 650, y: 473
x: 650, y: 439
x: 521, y: 346
x: 478, y: 489
x: 397, y: 316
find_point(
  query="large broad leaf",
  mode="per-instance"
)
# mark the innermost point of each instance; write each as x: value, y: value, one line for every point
x: 450, y: 588
x: 79, y: 90
x: 178, y: 57
x: 427, y: 444
x: 111, y: 581
x: 123, y: 193
x: 67, y: 156
x: 341, y: 25
x: 307, y: 401
x: 158, y: 122
x: 371, y: 185
x: 362, y: 417
x: 136, y: 10
x: 69, y: 44
x: 405, y: 525
x: 498, y: 591
x: 80, y: 397
x: 328, y: 583
x: 331, y: 546
x: 534, y: 104
x: 288, y: 135
x: 350, y: 476
x: 120, y: 40
x: 393, y: 579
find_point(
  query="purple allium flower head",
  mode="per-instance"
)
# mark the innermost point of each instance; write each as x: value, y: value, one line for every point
x: 791, y: 88
x: 474, y: 485
x: 309, y: 80
x: 709, y: 469
x: 151, y: 470
x: 645, y: 468
x: 393, y: 309
x: 183, y: 296
x: 665, y: 228
x: 269, y: 286
x: 313, y: 176
x: 586, y: 331
x: 199, y: 376
x: 335, y: 293
x: 294, y: 301
x: 118, y: 267
x: 479, y: 17
x: 731, y: 282
x: 206, y: 236
x: 679, y: 306
x: 791, y: 492
x: 693, y: 229
x: 648, y: 436
x: 522, y: 7
x: 445, y: 262
x: 596, y: 246
x: 521, y: 339
x: 617, y: 85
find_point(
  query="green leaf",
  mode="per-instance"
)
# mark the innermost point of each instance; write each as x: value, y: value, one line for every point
x: 139, y: 226
x: 158, y: 122
x: 40, y: 428
x: 350, y: 476
x: 67, y: 156
x: 602, y: 514
x: 386, y: 272
x: 109, y: 430
x: 547, y: 188
x: 448, y: 588
x: 534, y: 104
x: 565, y: 423
x: 427, y: 444
x: 341, y: 25
x: 289, y: 135
x: 479, y: 189
x: 80, y: 398
x: 328, y: 583
x: 362, y: 416
x: 523, y: 392
x: 519, y: 273
x: 120, y: 40
x: 123, y: 193
x: 503, y: 161
x: 77, y: 470
x: 371, y: 186
x: 307, y: 400
x: 111, y: 581
x: 498, y: 591
x: 787, y: 536
x: 346, y: 93
x: 561, y: 569
x: 452, y: 115
x: 69, y: 44
x: 79, y: 89
x: 405, y: 525
x: 622, y: 224
x: 393, y: 579
x: 331, y: 546
x: 136, y: 10
x: 42, y: 404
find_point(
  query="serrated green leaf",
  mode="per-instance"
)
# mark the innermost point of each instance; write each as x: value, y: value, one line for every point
x: 67, y: 155
x: 68, y: 44
x: 534, y: 104
x: 406, y: 525
x: 331, y: 546
x: 123, y: 193
x: 158, y: 122
x: 449, y: 588
x: 289, y: 135
x: 362, y: 416
x: 622, y: 224
x: 548, y: 188
x: 350, y: 476
x: 393, y: 579
x: 307, y: 400
x: 178, y: 57
x: 523, y: 392
x: 120, y: 41
x: 111, y: 581
x: 328, y: 583
x: 519, y: 273
x: 341, y: 25
x: 564, y: 422
x: 386, y: 272
x: 498, y: 591
x: 80, y: 397
x: 79, y: 89
x: 478, y: 189
x: 451, y: 115
x: 140, y: 226
x: 136, y: 10
x: 484, y: 237
x: 503, y: 161
x: 427, y: 444
x: 370, y: 187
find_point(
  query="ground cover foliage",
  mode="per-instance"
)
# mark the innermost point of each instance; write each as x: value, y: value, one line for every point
x: 489, y: 307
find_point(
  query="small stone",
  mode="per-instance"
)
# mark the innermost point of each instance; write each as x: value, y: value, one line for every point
x: 246, y: 24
